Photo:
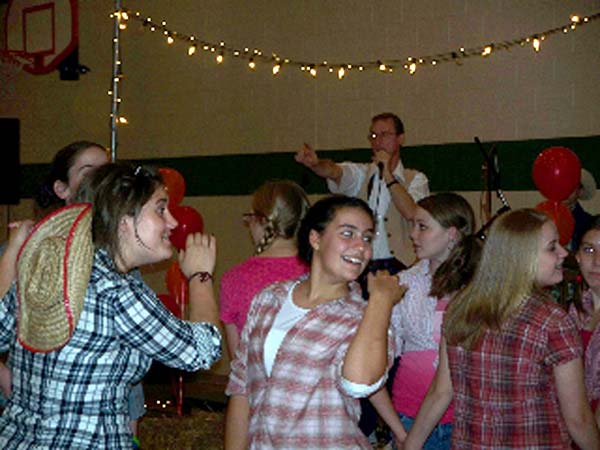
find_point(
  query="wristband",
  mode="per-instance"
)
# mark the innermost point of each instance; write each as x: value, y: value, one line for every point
x: 202, y: 276
x: 391, y: 183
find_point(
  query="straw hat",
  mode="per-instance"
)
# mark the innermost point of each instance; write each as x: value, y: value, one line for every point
x: 588, y: 185
x: 53, y: 272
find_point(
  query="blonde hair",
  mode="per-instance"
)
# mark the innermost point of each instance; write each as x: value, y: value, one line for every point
x: 282, y: 205
x: 504, y: 277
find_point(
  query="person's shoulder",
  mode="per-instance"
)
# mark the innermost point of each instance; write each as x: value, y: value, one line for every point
x: 356, y: 167
x: 542, y: 310
x: 413, y: 174
x: 353, y: 304
x: 279, y: 289
x: 241, y: 269
x: 418, y: 270
x: 103, y: 268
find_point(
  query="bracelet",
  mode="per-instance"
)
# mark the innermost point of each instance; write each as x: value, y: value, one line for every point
x: 391, y: 183
x: 202, y: 276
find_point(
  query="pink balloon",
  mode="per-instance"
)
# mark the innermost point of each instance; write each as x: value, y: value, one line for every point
x: 189, y: 221
x: 556, y: 172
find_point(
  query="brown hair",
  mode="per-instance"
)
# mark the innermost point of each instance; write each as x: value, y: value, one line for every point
x: 398, y: 125
x: 452, y: 210
x: 116, y: 190
x: 62, y: 162
x: 320, y: 215
x: 282, y: 205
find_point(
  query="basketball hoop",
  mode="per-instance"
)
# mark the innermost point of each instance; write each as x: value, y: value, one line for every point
x: 40, y: 33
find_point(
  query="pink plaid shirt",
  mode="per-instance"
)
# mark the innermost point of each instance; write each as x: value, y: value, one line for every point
x: 504, y: 392
x: 302, y: 405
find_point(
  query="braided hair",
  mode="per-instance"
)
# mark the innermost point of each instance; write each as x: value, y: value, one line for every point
x: 281, y: 204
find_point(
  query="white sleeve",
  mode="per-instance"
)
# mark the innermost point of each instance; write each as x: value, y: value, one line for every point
x: 357, y: 390
x: 419, y: 187
x: 353, y: 177
x: 398, y: 313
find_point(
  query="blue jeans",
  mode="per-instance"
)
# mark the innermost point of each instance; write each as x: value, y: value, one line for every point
x: 439, y: 439
x: 136, y: 402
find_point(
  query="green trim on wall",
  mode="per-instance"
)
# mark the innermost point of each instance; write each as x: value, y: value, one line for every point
x: 449, y: 167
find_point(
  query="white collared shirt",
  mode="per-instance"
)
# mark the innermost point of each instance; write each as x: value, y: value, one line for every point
x: 355, y: 175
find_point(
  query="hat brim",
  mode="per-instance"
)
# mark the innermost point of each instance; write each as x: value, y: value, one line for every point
x: 53, y: 270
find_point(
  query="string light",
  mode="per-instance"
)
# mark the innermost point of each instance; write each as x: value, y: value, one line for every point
x: 274, y: 59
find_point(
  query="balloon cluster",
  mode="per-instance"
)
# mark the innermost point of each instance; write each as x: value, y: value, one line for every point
x: 557, y: 174
x: 188, y: 221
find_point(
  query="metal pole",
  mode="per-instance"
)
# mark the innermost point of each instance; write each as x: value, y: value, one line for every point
x: 116, y: 74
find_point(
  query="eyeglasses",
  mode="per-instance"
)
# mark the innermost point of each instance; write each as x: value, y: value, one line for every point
x: 372, y: 136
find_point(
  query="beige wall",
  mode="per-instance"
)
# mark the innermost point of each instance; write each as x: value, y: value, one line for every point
x: 179, y: 105
x: 182, y: 106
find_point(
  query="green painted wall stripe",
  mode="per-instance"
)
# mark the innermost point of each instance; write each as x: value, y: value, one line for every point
x: 450, y: 167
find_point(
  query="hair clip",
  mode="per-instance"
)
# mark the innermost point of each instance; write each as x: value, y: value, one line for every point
x: 137, y: 170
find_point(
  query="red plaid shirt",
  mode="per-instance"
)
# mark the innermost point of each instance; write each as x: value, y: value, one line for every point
x: 302, y: 405
x: 504, y: 392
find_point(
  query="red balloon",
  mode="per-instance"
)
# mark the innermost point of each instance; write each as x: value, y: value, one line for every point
x: 174, y: 183
x: 176, y: 282
x: 189, y: 221
x: 556, y: 173
x: 562, y: 217
x: 171, y: 304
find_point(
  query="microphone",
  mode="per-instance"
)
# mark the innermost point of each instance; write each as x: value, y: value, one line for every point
x: 380, y: 167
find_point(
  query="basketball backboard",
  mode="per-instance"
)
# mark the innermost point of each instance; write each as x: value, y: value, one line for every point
x: 40, y: 33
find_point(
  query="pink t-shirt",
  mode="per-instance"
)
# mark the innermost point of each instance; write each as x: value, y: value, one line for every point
x: 241, y: 283
x: 417, y: 321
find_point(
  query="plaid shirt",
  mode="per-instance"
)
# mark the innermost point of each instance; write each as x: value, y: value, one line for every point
x: 592, y: 352
x: 76, y: 397
x: 504, y: 391
x: 302, y: 405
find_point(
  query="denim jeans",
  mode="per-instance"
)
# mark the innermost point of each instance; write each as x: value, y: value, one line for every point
x: 136, y: 402
x: 439, y: 439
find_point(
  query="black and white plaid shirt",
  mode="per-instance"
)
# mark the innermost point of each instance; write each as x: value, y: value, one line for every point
x: 76, y: 397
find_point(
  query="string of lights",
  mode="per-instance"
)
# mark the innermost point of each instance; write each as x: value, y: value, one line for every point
x: 411, y: 64
x: 254, y: 57
x: 120, y: 18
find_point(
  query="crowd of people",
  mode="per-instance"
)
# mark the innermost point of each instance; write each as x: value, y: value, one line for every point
x: 379, y: 304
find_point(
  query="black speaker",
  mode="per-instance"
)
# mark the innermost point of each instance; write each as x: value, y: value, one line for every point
x: 10, y: 169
